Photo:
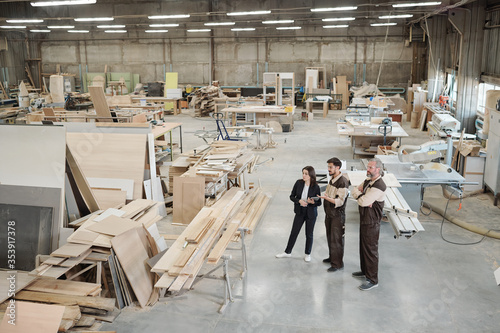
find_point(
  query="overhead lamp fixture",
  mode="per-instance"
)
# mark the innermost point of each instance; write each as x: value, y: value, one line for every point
x: 160, y: 17
x: 39, y: 30
x: 243, y: 29
x: 111, y: 26
x: 416, y: 4
x: 336, y: 26
x: 278, y: 22
x: 62, y: 3
x: 255, y: 12
x: 382, y: 24
x: 115, y: 31
x: 288, y: 28
x: 332, y: 9
x: 79, y: 31
x: 338, y: 19
x: 164, y: 25
x: 158, y: 30
x: 90, y: 19
x: 60, y: 26
x: 13, y: 26
x: 198, y: 30
x: 219, y: 23
x: 395, y: 16
x: 24, y: 21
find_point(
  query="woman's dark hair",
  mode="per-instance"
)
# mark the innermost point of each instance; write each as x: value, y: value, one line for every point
x: 312, y: 174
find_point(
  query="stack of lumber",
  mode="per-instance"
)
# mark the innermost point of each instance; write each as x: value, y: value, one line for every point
x: 204, y: 100
x: 123, y: 238
x: 48, y: 305
x: 207, y: 236
x: 222, y: 158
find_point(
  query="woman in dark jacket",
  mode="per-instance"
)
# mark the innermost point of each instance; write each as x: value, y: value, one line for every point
x: 304, y: 194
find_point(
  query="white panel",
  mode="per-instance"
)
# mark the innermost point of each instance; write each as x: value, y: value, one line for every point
x: 33, y: 155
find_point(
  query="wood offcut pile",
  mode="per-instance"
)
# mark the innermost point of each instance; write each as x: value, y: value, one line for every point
x: 207, y: 237
x: 204, y: 100
x: 106, y: 255
x: 50, y: 305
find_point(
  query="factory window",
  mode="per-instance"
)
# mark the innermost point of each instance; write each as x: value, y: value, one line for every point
x: 481, y: 95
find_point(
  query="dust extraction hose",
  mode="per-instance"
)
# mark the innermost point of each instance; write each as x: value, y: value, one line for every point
x: 467, y: 226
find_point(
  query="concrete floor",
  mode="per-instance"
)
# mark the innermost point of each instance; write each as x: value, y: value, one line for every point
x: 426, y: 284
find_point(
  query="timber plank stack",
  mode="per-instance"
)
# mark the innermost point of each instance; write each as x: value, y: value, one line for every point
x: 207, y: 237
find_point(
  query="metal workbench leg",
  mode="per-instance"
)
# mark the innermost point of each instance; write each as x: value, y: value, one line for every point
x: 243, y: 232
x: 180, y: 137
x: 171, y: 148
x: 228, y: 296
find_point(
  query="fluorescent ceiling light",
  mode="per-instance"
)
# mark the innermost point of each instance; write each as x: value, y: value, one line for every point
x: 153, y: 31
x: 62, y: 3
x: 288, y: 28
x: 256, y: 12
x: 24, y: 21
x: 277, y: 22
x: 39, y: 30
x: 164, y: 25
x: 111, y: 26
x: 243, y: 29
x: 60, y: 26
x: 198, y: 30
x: 13, y: 26
x: 336, y: 26
x: 220, y: 23
x: 416, y: 4
x: 159, y: 17
x: 79, y: 31
x: 89, y: 19
x: 331, y: 9
x: 115, y: 31
x: 382, y: 24
x: 338, y: 19
x: 395, y: 16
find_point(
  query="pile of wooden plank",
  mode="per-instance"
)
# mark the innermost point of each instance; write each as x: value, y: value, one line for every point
x: 49, y: 305
x: 207, y: 236
x: 211, y: 171
x: 123, y: 239
x: 204, y: 100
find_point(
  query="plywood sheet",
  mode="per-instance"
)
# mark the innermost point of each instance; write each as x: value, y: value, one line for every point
x: 100, y: 104
x: 109, y: 198
x: 133, y: 256
x: 126, y: 185
x: 107, y: 155
x: 64, y: 287
x: 22, y: 280
x: 34, y: 317
x: 114, y: 225
x: 189, y: 198
x: 70, y: 250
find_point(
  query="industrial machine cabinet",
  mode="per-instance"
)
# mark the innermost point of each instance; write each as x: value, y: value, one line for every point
x: 492, y: 168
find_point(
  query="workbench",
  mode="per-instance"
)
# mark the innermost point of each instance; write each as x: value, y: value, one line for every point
x: 413, y: 179
x: 310, y: 103
x: 364, y: 133
x: 257, y: 110
x: 163, y: 100
x: 159, y: 132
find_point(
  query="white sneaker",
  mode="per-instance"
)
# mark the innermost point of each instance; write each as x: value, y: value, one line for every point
x: 307, y: 258
x: 284, y: 255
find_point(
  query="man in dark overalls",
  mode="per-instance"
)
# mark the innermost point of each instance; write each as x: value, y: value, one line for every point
x: 335, y: 202
x: 370, y: 196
